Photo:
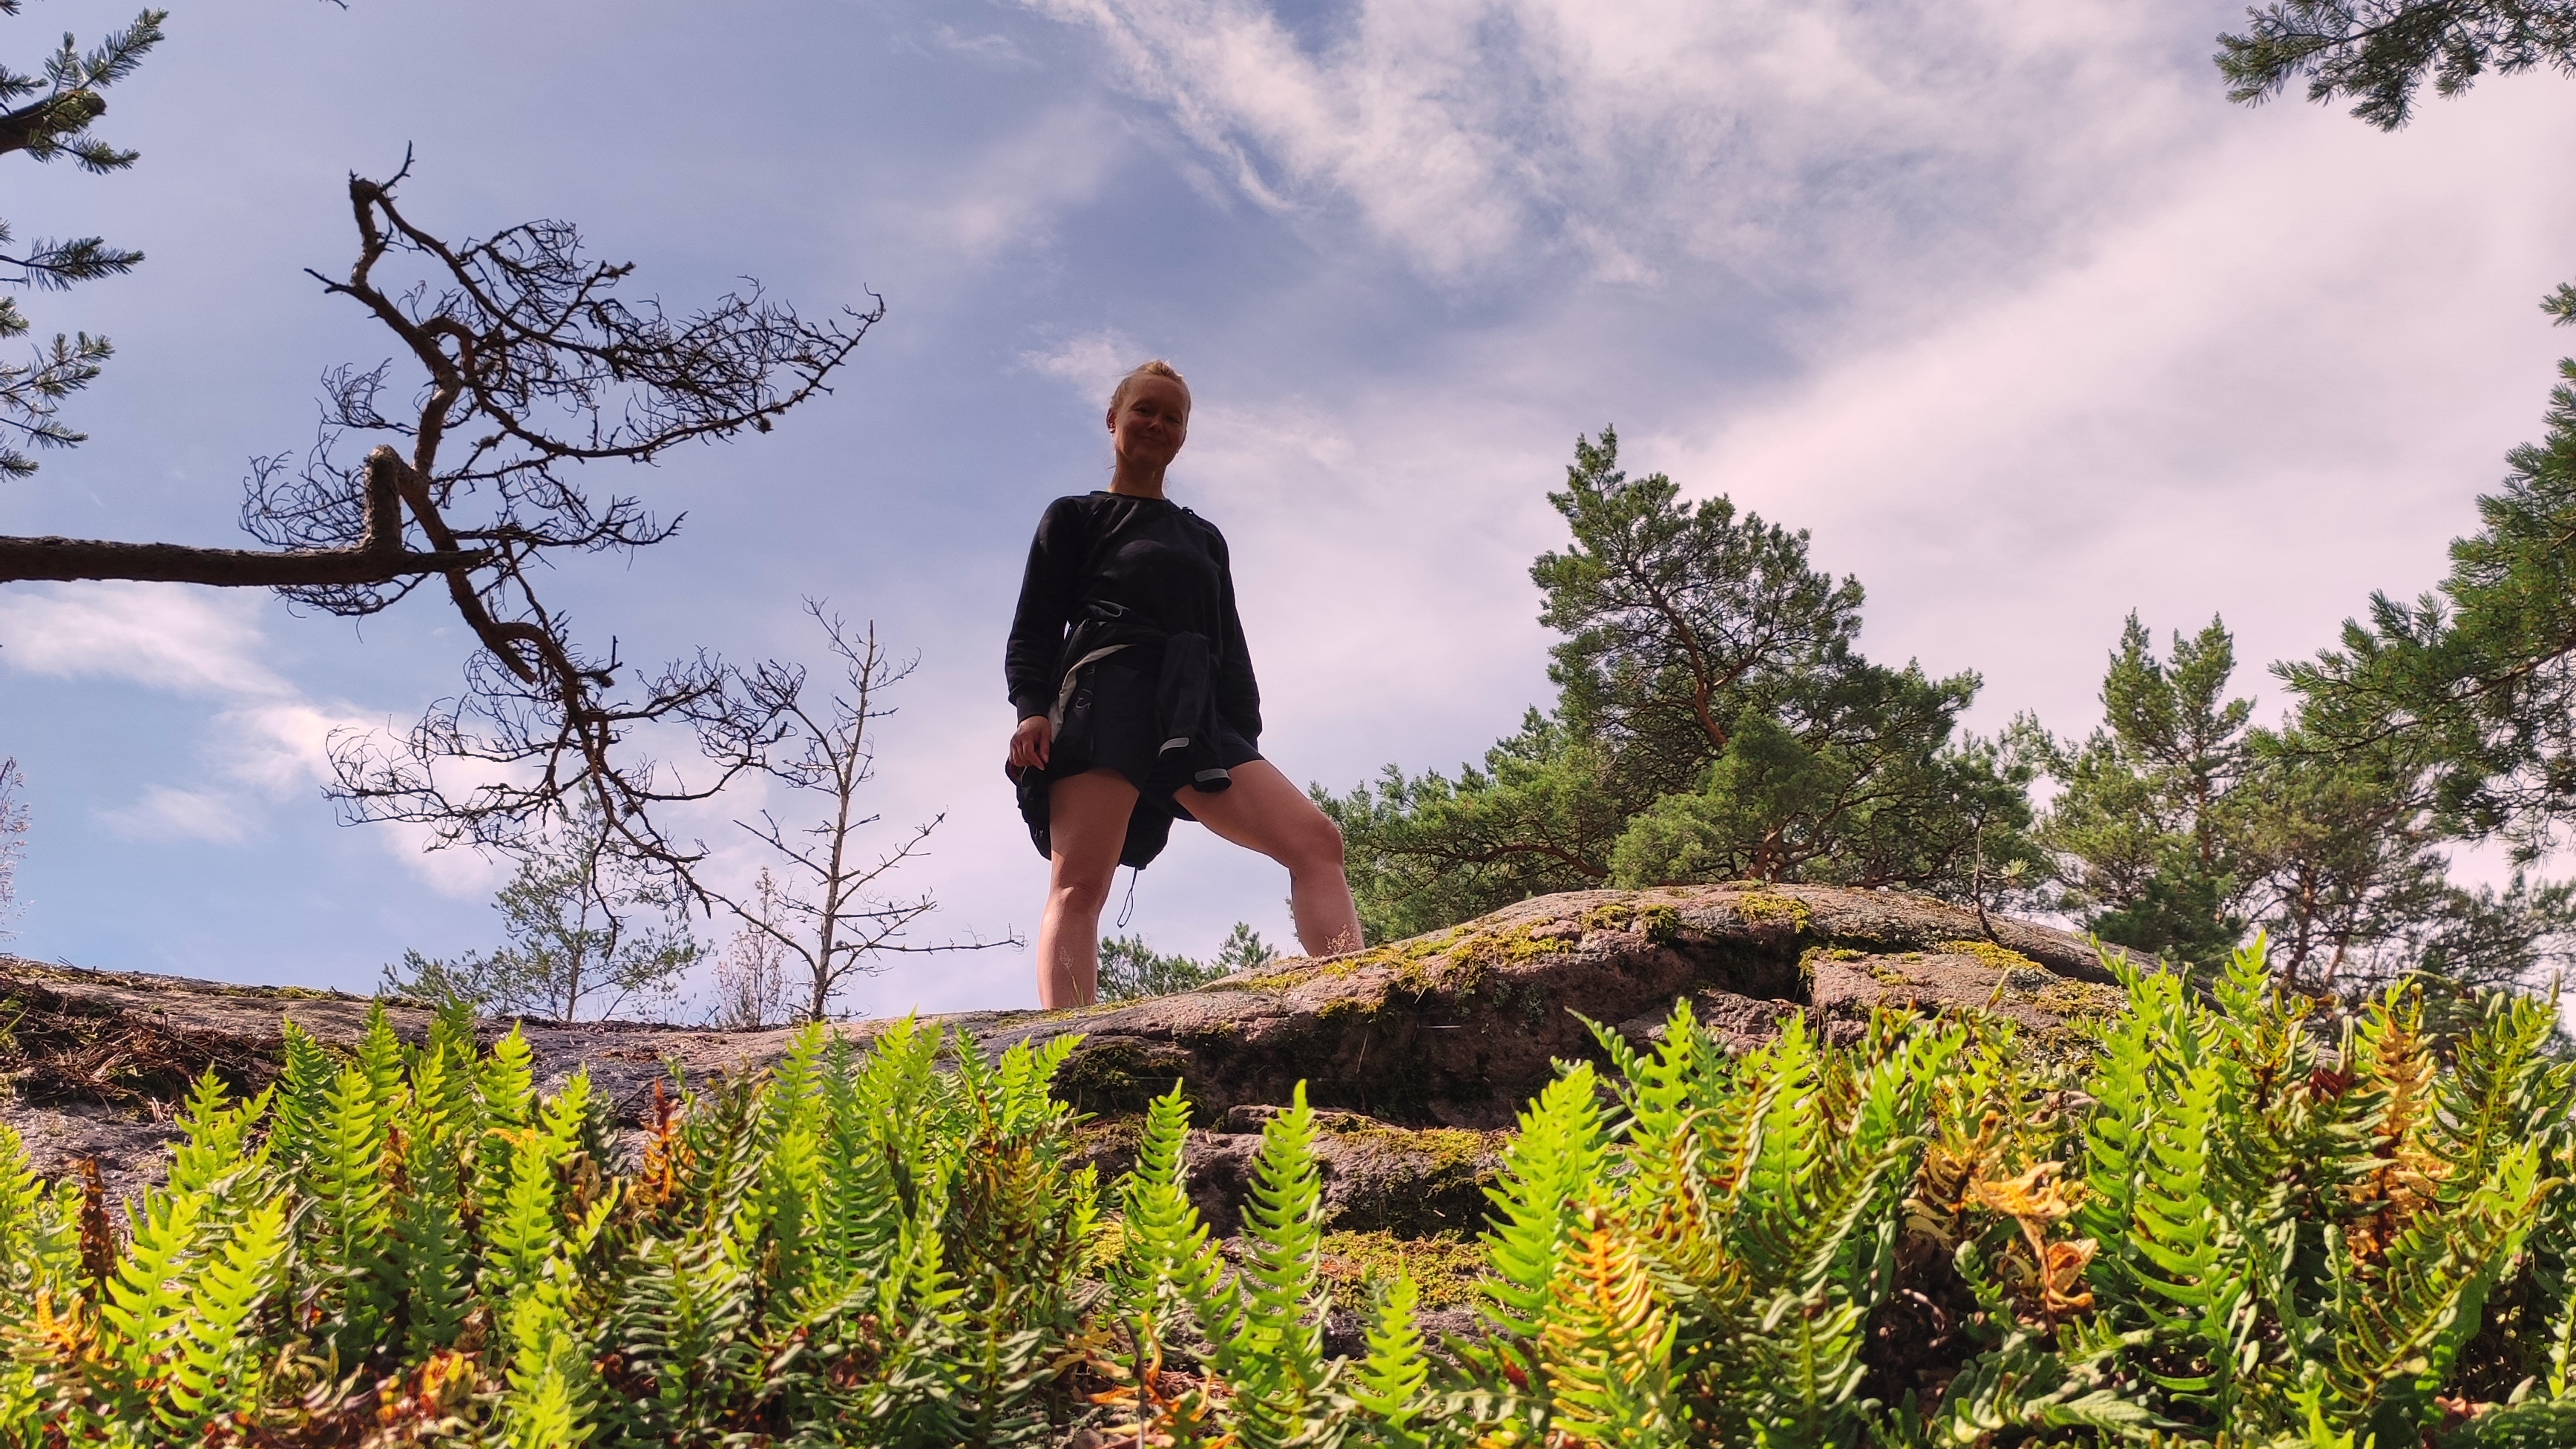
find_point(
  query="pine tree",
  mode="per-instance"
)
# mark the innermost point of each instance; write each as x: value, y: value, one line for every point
x: 2378, y: 53
x: 587, y: 930
x: 49, y: 114
x: 2453, y: 716
x: 2182, y: 828
x: 2479, y: 678
x: 1714, y: 721
x: 2150, y: 829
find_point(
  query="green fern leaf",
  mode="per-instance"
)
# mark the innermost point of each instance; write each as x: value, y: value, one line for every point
x: 208, y: 1375
x: 1606, y: 1350
x: 1545, y: 1174
x: 1273, y: 1349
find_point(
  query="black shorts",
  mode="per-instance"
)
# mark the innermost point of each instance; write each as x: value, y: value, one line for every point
x: 1109, y: 722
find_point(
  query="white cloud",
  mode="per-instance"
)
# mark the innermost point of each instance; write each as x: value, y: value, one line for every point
x: 166, y: 814
x: 1474, y: 134
x: 1007, y: 196
x: 998, y: 51
x: 262, y: 742
x: 2266, y: 397
x: 163, y: 636
x: 1090, y: 364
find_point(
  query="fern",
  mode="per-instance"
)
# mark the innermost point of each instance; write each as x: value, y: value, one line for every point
x: 429, y: 1250
x: 2407, y: 1326
x: 1170, y: 1267
x: 350, y: 1230
x: 2234, y: 1224
x: 1271, y: 1350
x: 215, y: 1136
x: 213, y: 1359
x: 21, y: 1200
x: 303, y: 1097
x: 147, y: 1301
x: 2022, y: 1386
x: 1388, y: 1388
x: 1545, y: 1174
x: 685, y: 1320
x: 1606, y: 1350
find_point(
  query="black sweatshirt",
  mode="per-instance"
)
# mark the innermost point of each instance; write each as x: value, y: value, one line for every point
x: 1111, y: 565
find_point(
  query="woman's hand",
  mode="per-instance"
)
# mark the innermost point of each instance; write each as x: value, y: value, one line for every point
x: 1030, y: 743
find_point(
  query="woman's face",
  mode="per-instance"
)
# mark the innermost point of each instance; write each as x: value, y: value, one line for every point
x: 1150, y: 422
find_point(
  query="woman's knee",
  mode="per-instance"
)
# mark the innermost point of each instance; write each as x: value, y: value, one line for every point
x: 1079, y: 891
x: 1315, y: 843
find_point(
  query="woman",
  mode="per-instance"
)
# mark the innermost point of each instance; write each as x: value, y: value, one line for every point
x: 1137, y: 703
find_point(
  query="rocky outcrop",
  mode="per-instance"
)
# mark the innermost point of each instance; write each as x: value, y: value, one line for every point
x: 1459, y: 1027
x: 1421, y: 1048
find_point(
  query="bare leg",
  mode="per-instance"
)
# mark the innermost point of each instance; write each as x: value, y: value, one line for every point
x: 1264, y: 812
x: 1086, y: 825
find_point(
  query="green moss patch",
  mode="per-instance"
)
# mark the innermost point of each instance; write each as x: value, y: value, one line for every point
x: 1118, y: 1076
x: 2002, y: 958
x: 1446, y: 1267
x: 1768, y: 908
x: 1658, y: 922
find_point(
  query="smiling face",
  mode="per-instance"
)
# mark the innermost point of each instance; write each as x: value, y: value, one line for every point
x: 1149, y: 422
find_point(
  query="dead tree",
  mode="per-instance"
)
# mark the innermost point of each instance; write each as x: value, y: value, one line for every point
x: 524, y: 365
x: 13, y: 837
x: 831, y: 916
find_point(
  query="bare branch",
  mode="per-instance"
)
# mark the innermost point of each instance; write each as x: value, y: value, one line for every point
x: 528, y: 366
x: 828, y: 915
x: 376, y: 557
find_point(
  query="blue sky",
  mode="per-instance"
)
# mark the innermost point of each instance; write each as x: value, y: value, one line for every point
x: 2000, y: 300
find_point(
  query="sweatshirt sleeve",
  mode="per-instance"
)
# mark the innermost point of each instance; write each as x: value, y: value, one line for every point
x: 1046, y: 602
x: 1238, y: 695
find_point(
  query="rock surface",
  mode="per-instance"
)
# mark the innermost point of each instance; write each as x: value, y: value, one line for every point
x: 1422, y: 1048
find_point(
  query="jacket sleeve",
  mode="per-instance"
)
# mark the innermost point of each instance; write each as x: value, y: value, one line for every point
x: 1046, y: 601
x: 1238, y: 694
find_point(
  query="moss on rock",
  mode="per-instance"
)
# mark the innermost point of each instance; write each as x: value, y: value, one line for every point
x: 1446, y: 1266
x: 2002, y: 958
x: 1119, y: 1074
x: 1771, y: 909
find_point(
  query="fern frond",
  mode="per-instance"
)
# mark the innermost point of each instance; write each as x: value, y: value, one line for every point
x: 1388, y: 1392
x: 215, y: 1136
x: 1606, y: 1350
x: 21, y: 1198
x: 303, y: 1097
x: 2406, y: 1326
x: 2021, y: 1385
x: 208, y: 1373
x: 1273, y: 1357
x: 347, y: 1234
x: 147, y: 1301
x: 1545, y: 1173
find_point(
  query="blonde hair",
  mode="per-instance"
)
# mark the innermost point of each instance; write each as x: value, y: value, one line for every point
x: 1155, y: 367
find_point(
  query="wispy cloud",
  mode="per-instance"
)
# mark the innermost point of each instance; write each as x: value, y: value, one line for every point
x: 164, y: 813
x: 163, y: 636
x: 263, y: 739
x: 991, y: 49
x: 263, y: 742
x: 1090, y: 364
x: 1007, y: 195
x: 1475, y: 134
x: 2265, y: 396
